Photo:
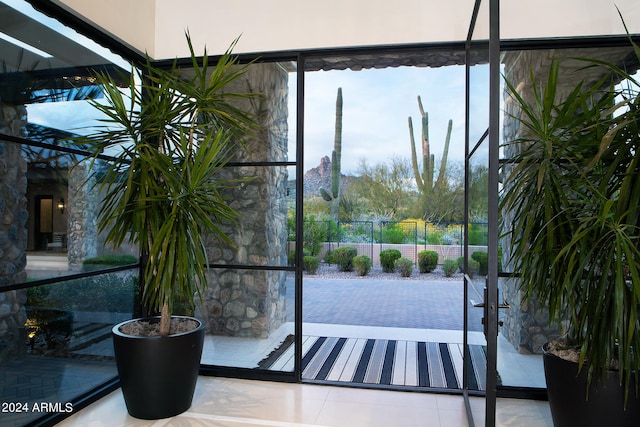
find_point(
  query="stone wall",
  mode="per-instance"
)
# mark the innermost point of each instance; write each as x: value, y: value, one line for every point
x: 13, y: 232
x: 526, y: 323
x: 82, y: 210
x: 251, y: 303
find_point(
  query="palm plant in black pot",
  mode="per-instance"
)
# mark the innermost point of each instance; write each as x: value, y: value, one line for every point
x: 174, y: 130
x: 573, y: 220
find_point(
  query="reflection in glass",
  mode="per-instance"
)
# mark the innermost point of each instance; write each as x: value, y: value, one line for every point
x: 63, y: 344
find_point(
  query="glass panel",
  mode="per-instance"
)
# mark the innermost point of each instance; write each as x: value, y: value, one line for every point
x: 249, y: 308
x: 57, y: 340
x: 250, y: 319
x: 525, y: 328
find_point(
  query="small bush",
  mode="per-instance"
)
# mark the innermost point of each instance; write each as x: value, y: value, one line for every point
x: 394, y: 235
x: 310, y: 264
x: 404, y: 266
x: 388, y: 258
x: 111, y: 259
x: 449, y: 267
x: 483, y: 262
x: 473, y: 266
x: 427, y: 261
x: 328, y: 257
x: 362, y: 265
x: 343, y: 256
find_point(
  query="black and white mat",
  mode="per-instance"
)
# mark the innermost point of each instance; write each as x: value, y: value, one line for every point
x: 379, y: 361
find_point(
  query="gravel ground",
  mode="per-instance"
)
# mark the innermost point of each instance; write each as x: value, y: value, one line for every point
x: 330, y: 271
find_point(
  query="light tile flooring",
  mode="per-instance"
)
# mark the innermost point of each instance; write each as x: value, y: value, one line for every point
x: 237, y: 403
x: 515, y: 369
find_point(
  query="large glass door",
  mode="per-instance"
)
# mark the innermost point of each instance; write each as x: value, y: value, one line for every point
x: 481, y: 202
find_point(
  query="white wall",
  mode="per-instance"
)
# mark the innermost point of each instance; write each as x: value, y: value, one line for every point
x: 129, y: 21
x: 158, y: 26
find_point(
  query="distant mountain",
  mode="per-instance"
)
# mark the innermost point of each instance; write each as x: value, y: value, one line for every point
x: 319, y: 177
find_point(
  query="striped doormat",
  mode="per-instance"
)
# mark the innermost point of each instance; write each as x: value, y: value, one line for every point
x: 379, y: 361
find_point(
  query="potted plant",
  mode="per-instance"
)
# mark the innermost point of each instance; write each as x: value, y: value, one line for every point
x: 172, y: 131
x: 571, y: 212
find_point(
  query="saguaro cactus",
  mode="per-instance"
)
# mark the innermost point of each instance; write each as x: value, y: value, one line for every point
x: 336, y: 154
x: 424, y: 178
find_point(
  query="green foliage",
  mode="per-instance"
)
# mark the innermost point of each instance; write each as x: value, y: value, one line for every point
x: 474, y: 266
x: 404, y: 266
x: 362, y: 265
x: 113, y: 292
x: 434, y: 238
x: 394, y: 235
x: 385, y: 188
x: 163, y: 192
x: 449, y: 267
x: 111, y: 259
x: 310, y: 264
x: 572, y: 194
x: 315, y: 233
x: 388, y: 258
x: 427, y: 261
x: 483, y: 262
x: 477, y: 235
x: 328, y: 257
x: 343, y: 256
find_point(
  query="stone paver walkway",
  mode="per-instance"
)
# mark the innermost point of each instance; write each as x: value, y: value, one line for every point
x: 384, y: 302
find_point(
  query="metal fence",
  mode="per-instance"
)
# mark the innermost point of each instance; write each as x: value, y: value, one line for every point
x: 408, y: 237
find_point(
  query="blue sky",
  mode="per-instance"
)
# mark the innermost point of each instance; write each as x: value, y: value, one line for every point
x: 376, y: 108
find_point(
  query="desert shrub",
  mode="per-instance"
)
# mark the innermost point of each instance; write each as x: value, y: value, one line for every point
x: 483, y: 262
x: 310, y: 264
x: 388, y: 258
x: 427, y: 261
x: 362, y: 265
x: 449, y: 267
x: 343, y: 256
x: 315, y: 233
x: 434, y: 238
x: 291, y: 257
x: 473, y: 266
x: 477, y: 235
x: 404, y: 266
x: 328, y: 257
x: 394, y: 235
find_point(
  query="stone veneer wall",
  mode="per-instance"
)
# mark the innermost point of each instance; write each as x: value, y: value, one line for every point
x: 526, y: 323
x: 82, y: 208
x: 13, y: 232
x: 251, y: 303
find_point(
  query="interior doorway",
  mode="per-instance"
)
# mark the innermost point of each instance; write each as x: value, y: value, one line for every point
x: 43, y: 222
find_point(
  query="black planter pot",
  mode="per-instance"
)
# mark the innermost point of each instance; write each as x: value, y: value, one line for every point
x: 568, y: 401
x: 158, y: 374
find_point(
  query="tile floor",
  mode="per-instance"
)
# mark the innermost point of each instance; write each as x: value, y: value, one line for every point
x: 237, y: 403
